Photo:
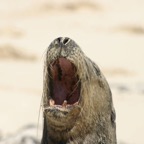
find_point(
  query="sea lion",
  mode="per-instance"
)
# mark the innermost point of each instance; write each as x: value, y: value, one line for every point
x: 77, y: 100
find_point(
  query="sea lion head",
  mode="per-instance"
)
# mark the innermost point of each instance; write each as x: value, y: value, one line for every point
x: 75, y: 93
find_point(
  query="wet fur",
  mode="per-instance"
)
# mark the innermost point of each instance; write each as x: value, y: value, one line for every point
x: 93, y: 121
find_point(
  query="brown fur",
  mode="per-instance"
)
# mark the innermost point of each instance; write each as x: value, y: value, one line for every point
x: 92, y: 121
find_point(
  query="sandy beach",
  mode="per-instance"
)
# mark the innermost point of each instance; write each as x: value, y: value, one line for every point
x: 109, y: 32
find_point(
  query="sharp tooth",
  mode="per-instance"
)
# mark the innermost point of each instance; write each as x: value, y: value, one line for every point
x: 51, y: 102
x: 64, y: 104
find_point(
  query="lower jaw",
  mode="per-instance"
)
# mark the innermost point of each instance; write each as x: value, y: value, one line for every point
x: 62, y: 116
x: 64, y: 106
x: 60, y: 122
x: 62, y: 110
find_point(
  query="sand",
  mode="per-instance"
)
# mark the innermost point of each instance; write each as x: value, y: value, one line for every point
x: 110, y: 32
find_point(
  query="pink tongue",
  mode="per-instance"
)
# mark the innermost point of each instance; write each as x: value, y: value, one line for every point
x: 64, y: 82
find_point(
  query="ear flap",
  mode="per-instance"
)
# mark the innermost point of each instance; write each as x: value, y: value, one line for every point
x: 45, y: 133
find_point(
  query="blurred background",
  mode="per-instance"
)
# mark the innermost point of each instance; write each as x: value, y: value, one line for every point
x: 110, y: 32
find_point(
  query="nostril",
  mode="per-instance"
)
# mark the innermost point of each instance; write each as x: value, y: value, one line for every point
x: 59, y: 39
x: 62, y: 41
x: 65, y: 41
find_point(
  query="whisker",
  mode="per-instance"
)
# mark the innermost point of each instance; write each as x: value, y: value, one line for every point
x: 39, y: 114
x: 75, y: 87
x: 50, y: 67
x: 44, y: 53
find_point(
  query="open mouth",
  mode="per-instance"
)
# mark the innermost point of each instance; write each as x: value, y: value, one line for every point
x: 64, y: 83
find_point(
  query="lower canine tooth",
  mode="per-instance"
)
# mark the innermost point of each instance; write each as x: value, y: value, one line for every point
x: 51, y: 102
x: 64, y: 103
